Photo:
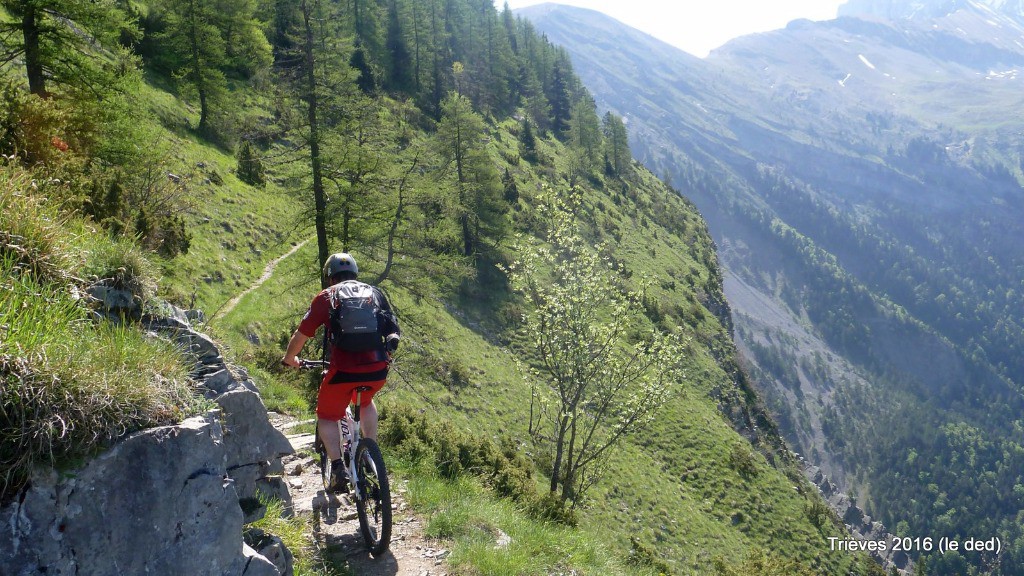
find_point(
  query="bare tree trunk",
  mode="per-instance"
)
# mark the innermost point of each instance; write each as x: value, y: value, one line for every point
x: 393, y: 231
x: 571, y: 465
x: 556, y: 468
x: 197, y: 69
x: 319, y: 198
x: 33, y: 54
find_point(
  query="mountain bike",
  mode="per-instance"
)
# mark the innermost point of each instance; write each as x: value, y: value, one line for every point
x: 366, y: 472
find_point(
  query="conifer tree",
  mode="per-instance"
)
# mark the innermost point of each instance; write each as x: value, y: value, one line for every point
x: 527, y: 142
x: 558, y: 97
x: 481, y: 212
x: 196, y: 37
x: 618, y: 158
x: 59, y: 40
x: 247, y: 48
x: 585, y: 133
x: 250, y: 167
x: 399, y: 71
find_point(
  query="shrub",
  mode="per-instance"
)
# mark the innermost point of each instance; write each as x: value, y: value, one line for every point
x: 31, y: 232
x: 642, y: 555
x: 412, y: 436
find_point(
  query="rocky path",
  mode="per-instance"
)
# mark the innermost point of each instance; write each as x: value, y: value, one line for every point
x: 336, y: 527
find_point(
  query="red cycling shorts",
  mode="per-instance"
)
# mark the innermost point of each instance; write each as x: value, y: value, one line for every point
x: 338, y: 388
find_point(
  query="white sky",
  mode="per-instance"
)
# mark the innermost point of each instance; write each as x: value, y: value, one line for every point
x: 698, y: 26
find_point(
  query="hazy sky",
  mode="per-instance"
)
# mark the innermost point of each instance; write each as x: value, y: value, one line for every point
x: 698, y: 26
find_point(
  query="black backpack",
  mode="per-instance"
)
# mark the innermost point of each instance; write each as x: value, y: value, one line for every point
x: 355, y: 321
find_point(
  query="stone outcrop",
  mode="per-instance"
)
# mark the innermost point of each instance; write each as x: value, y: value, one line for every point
x: 169, y: 500
x: 861, y: 526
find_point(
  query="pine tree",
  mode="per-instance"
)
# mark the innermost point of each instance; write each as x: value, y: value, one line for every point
x: 197, y: 38
x: 399, y: 72
x: 511, y: 189
x: 558, y: 97
x: 527, y: 142
x: 479, y: 192
x: 585, y: 133
x: 360, y: 62
x: 250, y: 167
x: 61, y: 40
x: 247, y: 48
x: 618, y: 158
x: 193, y: 37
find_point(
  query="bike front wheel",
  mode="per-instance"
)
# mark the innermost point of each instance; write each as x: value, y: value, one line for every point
x: 373, y: 498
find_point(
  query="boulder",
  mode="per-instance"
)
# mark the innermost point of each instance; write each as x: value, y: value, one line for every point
x: 162, y: 501
x: 256, y: 564
x: 249, y: 436
x: 159, y: 502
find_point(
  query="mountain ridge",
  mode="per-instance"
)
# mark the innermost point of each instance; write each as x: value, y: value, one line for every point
x: 865, y: 187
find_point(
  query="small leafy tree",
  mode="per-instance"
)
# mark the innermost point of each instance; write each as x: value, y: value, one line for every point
x: 594, y: 386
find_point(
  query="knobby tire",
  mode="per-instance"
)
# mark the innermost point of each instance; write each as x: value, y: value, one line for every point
x: 373, y: 504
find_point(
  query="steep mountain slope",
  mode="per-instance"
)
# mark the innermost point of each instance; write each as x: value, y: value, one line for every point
x: 691, y: 490
x: 861, y: 179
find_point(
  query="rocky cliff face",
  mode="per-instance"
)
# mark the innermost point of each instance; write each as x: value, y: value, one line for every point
x: 861, y: 526
x: 169, y: 500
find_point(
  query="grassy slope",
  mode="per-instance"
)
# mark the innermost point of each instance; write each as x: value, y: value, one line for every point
x: 236, y: 229
x: 677, y: 486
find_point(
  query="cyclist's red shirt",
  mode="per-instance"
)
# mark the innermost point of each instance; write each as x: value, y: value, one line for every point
x: 347, y: 370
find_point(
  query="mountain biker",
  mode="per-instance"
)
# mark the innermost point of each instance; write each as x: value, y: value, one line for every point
x: 346, y: 369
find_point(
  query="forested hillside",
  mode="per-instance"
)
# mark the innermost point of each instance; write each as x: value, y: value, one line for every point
x: 454, y: 151
x: 862, y: 178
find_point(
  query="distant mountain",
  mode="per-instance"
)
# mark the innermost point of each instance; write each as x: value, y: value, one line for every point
x: 862, y: 178
x: 926, y: 10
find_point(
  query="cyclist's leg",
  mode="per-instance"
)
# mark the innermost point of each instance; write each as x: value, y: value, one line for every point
x: 368, y: 410
x: 368, y: 422
x: 331, y: 401
x: 330, y: 435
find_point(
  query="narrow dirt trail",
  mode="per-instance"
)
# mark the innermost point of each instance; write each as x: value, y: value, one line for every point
x: 336, y: 527
x: 268, y: 271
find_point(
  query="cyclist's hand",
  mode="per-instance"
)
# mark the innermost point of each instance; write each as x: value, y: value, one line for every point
x: 292, y: 361
x: 391, y: 343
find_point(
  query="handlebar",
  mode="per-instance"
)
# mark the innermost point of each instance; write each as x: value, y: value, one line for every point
x: 310, y: 364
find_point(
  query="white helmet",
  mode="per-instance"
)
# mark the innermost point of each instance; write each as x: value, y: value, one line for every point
x: 338, y: 263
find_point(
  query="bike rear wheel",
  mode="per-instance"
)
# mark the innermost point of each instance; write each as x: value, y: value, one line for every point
x: 373, y: 497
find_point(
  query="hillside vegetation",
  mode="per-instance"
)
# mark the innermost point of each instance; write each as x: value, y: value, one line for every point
x: 863, y: 180
x: 424, y: 138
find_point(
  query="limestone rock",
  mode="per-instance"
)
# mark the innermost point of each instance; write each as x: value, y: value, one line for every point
x: 159, y: 502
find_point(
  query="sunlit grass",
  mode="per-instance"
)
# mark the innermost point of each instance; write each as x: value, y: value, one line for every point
x: 70, y: 381
x: 493, y: 536
x: 296, y: 532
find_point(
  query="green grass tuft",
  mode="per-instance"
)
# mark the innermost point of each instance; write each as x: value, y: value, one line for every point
x: 296, y: 532
x: 69, y: 382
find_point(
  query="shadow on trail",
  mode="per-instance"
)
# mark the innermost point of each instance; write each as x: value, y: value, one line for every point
x: 336, y: 526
